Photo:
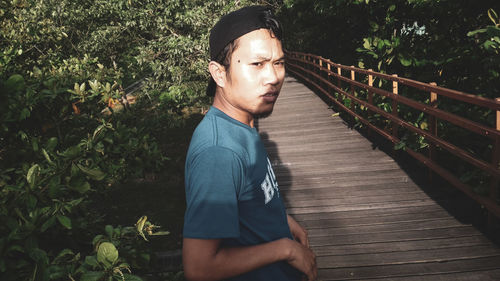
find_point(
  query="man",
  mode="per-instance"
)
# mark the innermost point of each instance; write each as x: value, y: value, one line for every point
x: 236, y: 226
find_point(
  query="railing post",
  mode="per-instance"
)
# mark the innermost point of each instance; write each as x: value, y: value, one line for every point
x: 329, y: 67
x: 306, y: 66
x: 395, y: 107
x: 370, y: 83
x: 433, y: 130
x: 339, y: 84
x: 353, y: 93
x: 494, y: 178
x: 370, y: 98
x: 320, y: 72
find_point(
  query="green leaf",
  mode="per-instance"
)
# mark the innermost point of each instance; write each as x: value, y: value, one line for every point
x: 15, y: 83
x: 160, y: 233
x: 80, y: 185
x: 109, y: 230
x: 92, y: 261
x: 71, y: 152
x: 130, y: 277
x: 404, y: 61
x: 31, y: 202
x: 48, y: 224
x: 366, y: 44
x: 92, y: 276
x: 400, y: 145
x: 374, y: 26
x: 95, y: 174
x: 488, y: 44
x: 34, y: 144
x: 54, y: 186
x: 98, y: 131
x: 39, y: 256
x: 64, y: 221
x: 62, y: 254
x: 392, y: 8
x: 51, y: 144
x: 472, y: 33
x: 32, y: 175
x: 24, y: 114
x: 493, y: 16
x: 47, y: 157
x: 380, y: 44
x: 107, y: 254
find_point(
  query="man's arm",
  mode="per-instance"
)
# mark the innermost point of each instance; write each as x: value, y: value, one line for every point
x: 204, y: 259
x: 298, y: 232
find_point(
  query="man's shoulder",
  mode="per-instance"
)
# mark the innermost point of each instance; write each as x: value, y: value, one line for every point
x: 219, y: 130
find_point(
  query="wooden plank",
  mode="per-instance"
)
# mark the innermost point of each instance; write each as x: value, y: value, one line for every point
x: 470, y: 269
x: 374, y: 220
x: 365, y: 216
x: 364, y: 206
x: 399, y: 246
x: 363, y: 199
x: 415, y: 219
x: 403, y: 235
x: 420, y: 256
x: 334, y: 229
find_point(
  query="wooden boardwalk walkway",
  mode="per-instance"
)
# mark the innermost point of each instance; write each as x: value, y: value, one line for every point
x: 366, y: 218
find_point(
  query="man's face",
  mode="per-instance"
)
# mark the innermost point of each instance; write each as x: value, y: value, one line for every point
x: 256, y: 74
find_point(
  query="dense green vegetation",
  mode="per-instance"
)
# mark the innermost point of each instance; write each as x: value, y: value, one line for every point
x: 70, y: 136
x: 453, y: 43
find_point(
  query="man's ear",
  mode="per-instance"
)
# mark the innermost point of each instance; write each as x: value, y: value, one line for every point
x: 218, y: 73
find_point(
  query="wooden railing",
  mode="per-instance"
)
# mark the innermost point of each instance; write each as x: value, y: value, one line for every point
x: 328, y: 77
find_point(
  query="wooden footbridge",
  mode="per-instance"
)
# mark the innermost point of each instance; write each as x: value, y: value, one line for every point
x: 367, y: 218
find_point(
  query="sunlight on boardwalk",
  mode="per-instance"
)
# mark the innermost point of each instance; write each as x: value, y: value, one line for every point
x: 366, y: 218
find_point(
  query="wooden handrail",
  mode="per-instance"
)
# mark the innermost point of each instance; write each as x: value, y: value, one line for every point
x: 457, y: 95
x: 318, y: 72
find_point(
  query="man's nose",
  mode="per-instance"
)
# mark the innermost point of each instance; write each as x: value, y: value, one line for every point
x: 271, y: 75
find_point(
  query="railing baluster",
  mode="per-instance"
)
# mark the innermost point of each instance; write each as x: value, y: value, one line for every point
x: 495, y: 180
x: 395, y: 107
x: 433, y: 130
x: 370, y: 83
x: 339, y: 95
x: 320, y: 68
x: 353, y: 78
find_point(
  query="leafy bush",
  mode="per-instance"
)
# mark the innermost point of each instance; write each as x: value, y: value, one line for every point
x: 68, y: 129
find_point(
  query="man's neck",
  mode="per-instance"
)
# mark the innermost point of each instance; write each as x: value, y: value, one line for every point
x: 230, y: 110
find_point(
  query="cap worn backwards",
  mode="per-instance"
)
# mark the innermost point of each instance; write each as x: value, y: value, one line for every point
x: 233, y: 26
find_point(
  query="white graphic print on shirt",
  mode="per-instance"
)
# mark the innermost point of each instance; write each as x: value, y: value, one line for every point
x: 269, y: 185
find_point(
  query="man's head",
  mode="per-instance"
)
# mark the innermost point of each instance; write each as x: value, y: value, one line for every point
x: 247, y: 60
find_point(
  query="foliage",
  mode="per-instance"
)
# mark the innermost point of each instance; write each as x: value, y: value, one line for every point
x: 68, y: 130
x: 452, y: 43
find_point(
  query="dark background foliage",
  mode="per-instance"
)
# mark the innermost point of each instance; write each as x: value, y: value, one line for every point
x: 71, y: 141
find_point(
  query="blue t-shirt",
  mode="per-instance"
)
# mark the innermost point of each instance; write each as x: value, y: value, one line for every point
x: 232, y: 193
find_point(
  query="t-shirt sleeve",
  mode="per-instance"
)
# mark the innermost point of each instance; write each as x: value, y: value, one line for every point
x: 213, y: 180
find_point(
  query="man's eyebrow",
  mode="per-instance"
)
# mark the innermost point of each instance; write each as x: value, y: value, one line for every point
x: 263, y: 58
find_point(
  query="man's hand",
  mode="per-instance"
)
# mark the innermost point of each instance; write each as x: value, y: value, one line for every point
x: 306, y: 260
x: 303, y: 259
x: 298, y: 232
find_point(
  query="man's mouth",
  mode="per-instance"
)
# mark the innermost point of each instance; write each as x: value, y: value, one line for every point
x: 270, y: 96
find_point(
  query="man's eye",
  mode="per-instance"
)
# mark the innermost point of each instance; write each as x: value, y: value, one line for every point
x: 257, y: 63
x: 280, y: 63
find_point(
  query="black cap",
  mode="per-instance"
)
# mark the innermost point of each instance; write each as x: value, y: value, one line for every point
x: 231, y: 27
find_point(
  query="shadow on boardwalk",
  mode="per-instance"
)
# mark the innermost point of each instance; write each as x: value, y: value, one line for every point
x: 367, y: 216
